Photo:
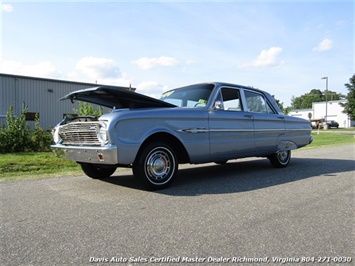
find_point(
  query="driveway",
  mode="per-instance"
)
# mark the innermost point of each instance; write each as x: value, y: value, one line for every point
x: 244, y: 211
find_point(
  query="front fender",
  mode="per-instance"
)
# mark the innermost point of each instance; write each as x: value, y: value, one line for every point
x: 129, y: 134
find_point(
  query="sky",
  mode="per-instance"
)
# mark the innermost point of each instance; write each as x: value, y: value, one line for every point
x: 283, y: 47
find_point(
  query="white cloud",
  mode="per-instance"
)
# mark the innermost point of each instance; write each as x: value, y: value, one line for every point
x: 87, y: 69
x: 99, y: 70
x: 43, y: 69
x: 96, y: 67
x: 151, y: 88
x: 266, y: 58
x: 324, y: 45
x: 7, y: 8
x: 190, y: 62
x: 150, y: 62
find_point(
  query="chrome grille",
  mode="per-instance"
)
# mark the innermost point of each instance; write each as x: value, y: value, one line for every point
x: 80, y: 134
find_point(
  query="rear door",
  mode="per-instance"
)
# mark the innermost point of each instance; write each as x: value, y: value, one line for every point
x: 269, y: 126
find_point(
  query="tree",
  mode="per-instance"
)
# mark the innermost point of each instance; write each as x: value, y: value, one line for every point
x: 349, y: 107
x: 305, y: 101
x: 279, y: 103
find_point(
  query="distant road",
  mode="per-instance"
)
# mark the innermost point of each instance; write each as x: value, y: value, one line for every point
x: 244, y: 211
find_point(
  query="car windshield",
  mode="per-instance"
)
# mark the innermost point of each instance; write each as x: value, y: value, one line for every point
x: 191, y: 96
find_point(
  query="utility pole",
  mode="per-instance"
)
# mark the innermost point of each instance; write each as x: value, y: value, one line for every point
x: 326, y: 101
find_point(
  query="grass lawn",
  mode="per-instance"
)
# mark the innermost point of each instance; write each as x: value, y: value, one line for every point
x: 44, y: 164
x: 330, y: 138
x: 35, y: 164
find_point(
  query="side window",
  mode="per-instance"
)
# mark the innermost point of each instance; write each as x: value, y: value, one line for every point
x: 231, y: 99
x: 257, y: 103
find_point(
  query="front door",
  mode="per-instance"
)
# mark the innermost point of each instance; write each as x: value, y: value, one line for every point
x: 231, y: 128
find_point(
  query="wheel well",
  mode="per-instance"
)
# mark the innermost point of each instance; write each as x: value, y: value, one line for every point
x: 172, y: 141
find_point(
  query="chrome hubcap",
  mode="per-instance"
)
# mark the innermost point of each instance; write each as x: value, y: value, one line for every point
x: 283, y: 156
x: 159, y: 165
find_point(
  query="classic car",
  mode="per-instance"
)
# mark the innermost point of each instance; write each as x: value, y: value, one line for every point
x: 201, y: 123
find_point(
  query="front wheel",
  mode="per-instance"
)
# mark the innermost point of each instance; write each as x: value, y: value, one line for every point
x: 280, y: 159
x: 156, y: 166
x: 97, y: 172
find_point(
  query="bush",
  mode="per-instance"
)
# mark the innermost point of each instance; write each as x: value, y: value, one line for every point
x: 16, y: 136
x: 88, y: 109
x: 40, y: 139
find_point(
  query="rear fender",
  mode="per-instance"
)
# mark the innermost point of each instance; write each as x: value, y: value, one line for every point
x: 286, y: 145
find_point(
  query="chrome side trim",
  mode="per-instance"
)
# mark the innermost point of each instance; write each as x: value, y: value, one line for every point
x: 204, y: 130
x: 193, y: 130
x: 231, y: 130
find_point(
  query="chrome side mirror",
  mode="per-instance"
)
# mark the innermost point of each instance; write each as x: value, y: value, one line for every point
x: 218, y: 105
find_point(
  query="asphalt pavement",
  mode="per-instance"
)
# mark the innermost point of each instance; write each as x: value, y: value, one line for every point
x: 242, y: 213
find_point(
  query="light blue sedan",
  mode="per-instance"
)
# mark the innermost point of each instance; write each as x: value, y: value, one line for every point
x: 207, y: 122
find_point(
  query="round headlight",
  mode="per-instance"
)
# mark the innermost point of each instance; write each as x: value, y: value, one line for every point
x: 102, y: 133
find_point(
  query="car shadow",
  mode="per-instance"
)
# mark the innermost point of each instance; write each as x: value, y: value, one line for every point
x: 240, y: 176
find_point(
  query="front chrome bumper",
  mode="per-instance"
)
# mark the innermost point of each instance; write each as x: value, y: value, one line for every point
x: 87, y: 154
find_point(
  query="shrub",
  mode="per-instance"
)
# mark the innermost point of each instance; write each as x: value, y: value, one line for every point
x: 88, y: 109
x: 16, y: 136
x: 40, y: 139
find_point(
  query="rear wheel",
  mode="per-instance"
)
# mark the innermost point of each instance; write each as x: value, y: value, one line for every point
x: 156, y: 166
x: 96, y: 172
x: 280, y: 159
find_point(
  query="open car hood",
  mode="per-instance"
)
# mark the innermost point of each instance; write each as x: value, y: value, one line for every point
x: 115, y: 97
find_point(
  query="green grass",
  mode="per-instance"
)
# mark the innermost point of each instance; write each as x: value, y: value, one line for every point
x: 330, y: 138
x: 44, y: 164
x: 35, y: 164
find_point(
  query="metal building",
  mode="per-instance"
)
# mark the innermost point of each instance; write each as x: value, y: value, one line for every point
x: 326, y: 111
x: 40, y: 95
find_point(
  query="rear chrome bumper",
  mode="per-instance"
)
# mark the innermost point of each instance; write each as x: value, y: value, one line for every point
x: 310, y: 139
x: 87, y: 154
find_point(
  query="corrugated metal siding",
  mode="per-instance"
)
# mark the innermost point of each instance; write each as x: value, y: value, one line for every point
x: 8, y: 96
x: 40, y: 95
